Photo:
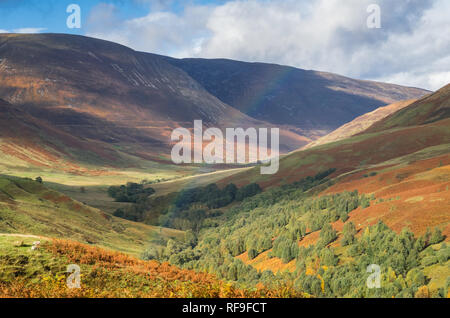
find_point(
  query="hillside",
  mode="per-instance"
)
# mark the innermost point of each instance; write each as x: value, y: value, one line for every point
x: 429, y: 109
x: 106, y: 274
x: 359, y: 124
x: 28, y: 207
x: 86, y: 107
x: 321, y: 234
x: 405, y: 167
x: 379, y: 197
x: 114, y: 100
x: 307, y: 100
x: 368, y: 148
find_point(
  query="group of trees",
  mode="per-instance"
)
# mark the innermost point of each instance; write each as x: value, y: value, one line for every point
x: 285, y: 248
x: 279, y: 218
x: 131, y: 192
x: 276, y: 219
x: 190, y: 209
x: 214, y: 197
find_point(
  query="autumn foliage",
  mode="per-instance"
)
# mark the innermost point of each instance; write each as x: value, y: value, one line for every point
x: 106, y: 274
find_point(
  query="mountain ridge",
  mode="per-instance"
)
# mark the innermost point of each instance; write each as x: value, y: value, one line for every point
x: 287, y: 95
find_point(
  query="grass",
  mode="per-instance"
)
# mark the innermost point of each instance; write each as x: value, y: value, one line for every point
x: 42, y: 273
x: 28, y: 207
x: 94, y: 196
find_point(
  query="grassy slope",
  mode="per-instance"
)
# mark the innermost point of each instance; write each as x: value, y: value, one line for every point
x: 42, y: 273
x: 357, y: 153
x: 28, y: 207
x: 359, y: 124
x: 423, y: 125
x: 427, y: 110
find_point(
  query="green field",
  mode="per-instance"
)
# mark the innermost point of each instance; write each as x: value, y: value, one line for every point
x: 28, y: 207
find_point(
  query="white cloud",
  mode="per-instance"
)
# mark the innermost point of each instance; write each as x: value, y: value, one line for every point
x: 161, y: 32
x: 29, y: 30
x: 411, y: 48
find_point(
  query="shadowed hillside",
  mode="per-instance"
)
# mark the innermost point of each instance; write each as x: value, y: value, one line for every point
x: 283, y: 95
x: 103, y: 92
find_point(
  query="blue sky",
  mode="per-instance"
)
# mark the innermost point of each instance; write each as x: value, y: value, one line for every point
x: 50, y: 15
x: 412, y: 46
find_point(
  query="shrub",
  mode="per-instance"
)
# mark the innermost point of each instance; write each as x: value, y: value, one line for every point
x: 437, y: 236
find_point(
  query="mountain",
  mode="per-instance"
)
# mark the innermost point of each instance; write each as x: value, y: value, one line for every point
x: 359, y: 124
x: 34, y: 141
x: 92, y: 102
x: 282, y: 95
x: 109, y: 96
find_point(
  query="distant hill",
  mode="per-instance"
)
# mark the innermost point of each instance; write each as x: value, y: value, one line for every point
x: 429, y: 109
x: 284, y: 95
x: 359, y: 124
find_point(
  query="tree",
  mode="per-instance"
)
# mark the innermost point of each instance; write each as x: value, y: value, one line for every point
x: 327, y: 235
x: 415, y: 278
x: 231, y: 190
x: 190, y: 238
x: 349, y: 233
x: 252, y: 253
x: 343, y: 215
x: 39, y: 179
x: 248, y: 191
x: 422, y: 292
x: 437, y: 236
x: 131, y: 192
x: 328, y: 258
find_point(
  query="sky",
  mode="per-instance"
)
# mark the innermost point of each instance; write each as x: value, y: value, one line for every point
x: 410, y: 47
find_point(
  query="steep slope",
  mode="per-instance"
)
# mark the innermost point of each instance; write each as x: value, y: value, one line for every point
x: 102, y: 92
x: 284, y: 95
x: 106, y: 274
x: 38, y: 142
x: 427, y: 110
x: 359, y: 124
x: 31, y: 147
x: 401, y: 136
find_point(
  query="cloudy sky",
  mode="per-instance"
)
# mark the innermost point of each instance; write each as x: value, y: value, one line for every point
x: 412, y: 47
